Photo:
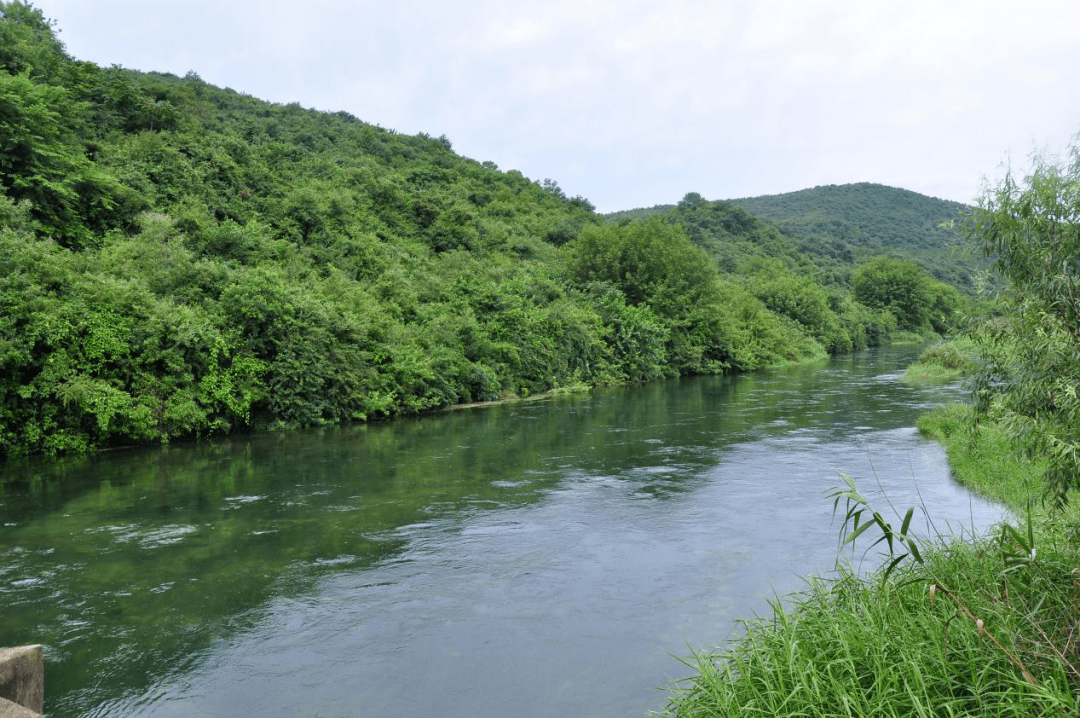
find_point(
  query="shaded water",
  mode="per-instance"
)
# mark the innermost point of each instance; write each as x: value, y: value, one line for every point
x: 537, y: 559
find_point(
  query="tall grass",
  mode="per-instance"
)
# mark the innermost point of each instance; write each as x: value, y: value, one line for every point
x: 984, y: 626
x: 856, y: 647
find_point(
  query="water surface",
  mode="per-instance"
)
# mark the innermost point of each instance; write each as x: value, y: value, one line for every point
x: 549, y: 558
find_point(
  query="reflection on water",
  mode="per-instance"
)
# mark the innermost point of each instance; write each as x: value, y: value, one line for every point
x: 538, y: 559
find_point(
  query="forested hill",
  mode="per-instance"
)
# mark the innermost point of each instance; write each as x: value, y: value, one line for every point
x: 871, y: 219
x: 179, y: 260
x: 839, y: 226
x: 866, y: 214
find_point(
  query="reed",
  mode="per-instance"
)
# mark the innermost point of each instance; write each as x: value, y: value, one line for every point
x: 853, y: 647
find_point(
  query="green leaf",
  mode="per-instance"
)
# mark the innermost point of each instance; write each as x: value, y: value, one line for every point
x: 907, y: 521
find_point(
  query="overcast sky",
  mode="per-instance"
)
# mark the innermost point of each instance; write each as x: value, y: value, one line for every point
x: 633, y: 104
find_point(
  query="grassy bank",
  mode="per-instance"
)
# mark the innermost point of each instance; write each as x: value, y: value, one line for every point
x: 942, y: 362
x: 983, y: 627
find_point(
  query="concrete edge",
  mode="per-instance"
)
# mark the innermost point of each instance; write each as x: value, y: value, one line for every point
x: 22, y: 678
x: 14, y: 710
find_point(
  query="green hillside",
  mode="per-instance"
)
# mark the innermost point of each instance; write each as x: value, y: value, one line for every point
x: 182, y: 260
x: 835, y: 228
x: 871, y: 215
x: 865, y: 219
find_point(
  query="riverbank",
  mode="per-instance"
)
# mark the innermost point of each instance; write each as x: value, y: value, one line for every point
x: 972, y: 626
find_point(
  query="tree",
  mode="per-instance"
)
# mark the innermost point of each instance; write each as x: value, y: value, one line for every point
x: 651, y: 262
x: 1031, y: 345
x: 28, y: 43
x: 898, y: 286
x: 802, y: 299
x: 655, y: 266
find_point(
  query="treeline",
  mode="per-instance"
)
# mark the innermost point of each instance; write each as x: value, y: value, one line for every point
x: 178, y: 259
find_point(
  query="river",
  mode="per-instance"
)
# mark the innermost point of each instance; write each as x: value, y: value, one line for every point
x: 536, y: 559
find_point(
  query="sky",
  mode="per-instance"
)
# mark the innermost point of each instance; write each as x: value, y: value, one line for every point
x: 633, y: 104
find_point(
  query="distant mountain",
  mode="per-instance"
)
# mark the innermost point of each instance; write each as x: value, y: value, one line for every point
x: 836, y: 227
x: 871, y: 219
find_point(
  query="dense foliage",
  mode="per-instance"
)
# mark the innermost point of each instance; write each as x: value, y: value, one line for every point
x: 813, y: 289
x: 1031, y: 345
x: 902, y: 288
x: 178, y: 259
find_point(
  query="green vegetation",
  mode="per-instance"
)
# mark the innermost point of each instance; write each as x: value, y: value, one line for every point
x: 853, y: 222
x: 182, y: 260
x: 806, y: 281
x: 851, y: 647
x: 942, y: 362
x: 904, y: 290
x: 964, y: 627
x: 709, y: 325
x: 834, y: 229
x: 1029, y: 345
x: 809, y: 288
x: 984, y: 457
x: 735, y: 237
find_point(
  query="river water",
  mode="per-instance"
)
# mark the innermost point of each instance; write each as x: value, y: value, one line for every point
x: 538, y: 559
